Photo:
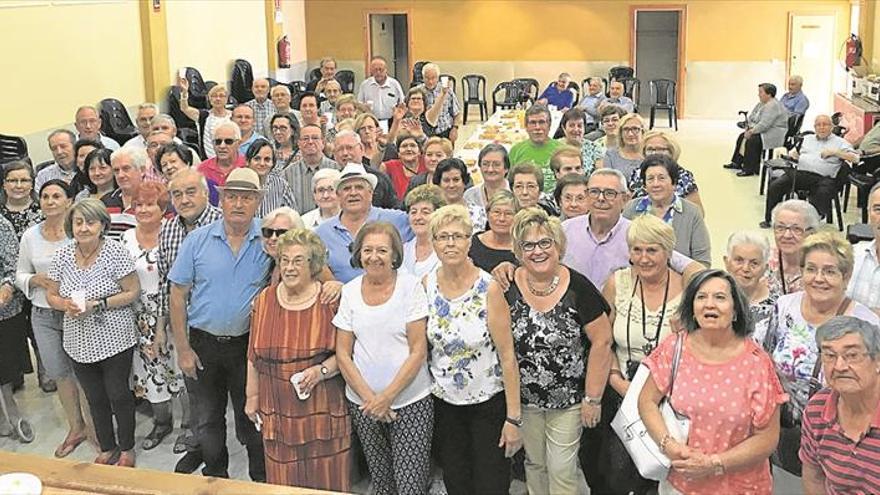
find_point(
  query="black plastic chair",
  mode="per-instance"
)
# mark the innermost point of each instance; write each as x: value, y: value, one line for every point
x: 530, y: 88
x: 840, y: 180
x: 417, y: 73
x: 315, y: 74
x: 512, y: 95
x: 619, y: 72
x: 273, y: 82
x: 453, y: 83
x: 346, y: 80
x: 863, y: 177
x: 474, y: 87
x: 12, y: 148
x: 574, y: 88
x: 632, y: 89
x: 115, y: 121
x: 793, y: 139
x: 242, y: 81
x: 663, y: 98
x: 182, y: 121
x: 198, y: 88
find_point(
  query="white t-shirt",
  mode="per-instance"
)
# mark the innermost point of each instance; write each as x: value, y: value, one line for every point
x: 380, y: 346
x: 414, y: 266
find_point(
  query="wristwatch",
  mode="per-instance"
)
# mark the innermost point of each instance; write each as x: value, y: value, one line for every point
x: 718, y: 465
x: 324, y: 371
x: 593, y: 401
x: 514, y: 421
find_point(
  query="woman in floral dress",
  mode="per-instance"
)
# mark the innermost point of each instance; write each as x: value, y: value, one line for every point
x: 155, y: 374
x: 477, y: 416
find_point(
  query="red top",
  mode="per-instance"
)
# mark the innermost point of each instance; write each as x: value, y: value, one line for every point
x: 725, y: 402
x: 211, y: 170
x: 848, y: 466
x: 397, y: 173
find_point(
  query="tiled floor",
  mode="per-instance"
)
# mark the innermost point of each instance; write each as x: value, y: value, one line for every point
x: 730, y: 203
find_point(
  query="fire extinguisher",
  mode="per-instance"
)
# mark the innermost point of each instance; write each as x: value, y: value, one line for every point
x: 853, y: 51
x: 284, y: 52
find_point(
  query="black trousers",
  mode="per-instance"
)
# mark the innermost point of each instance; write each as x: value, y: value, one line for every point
x: 107, y: 389
x: 467, y: 446
x: 223, y: 377
x: 751, y: 160
x: 821, y: 190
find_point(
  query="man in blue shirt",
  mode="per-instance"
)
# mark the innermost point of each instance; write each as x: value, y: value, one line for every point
x: 593, y: 96
x: 616, y: 97
x: 558, y: 94
x: 795, y: 101
x: 355, y: 190
x: 220, y: 269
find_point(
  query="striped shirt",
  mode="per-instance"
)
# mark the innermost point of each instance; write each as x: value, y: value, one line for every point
x: 262, y: 111
x: 864, y: 286
x: 849, y: 467
x: 278, y: 194
x: 121, y: 219
x: 299, y: 175
x: 171, y: 236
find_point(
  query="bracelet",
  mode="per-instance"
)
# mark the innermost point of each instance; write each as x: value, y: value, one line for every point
x: 664, y: 442
x: 593, y: 401
x: 514, y: 421
x: 718, y: 465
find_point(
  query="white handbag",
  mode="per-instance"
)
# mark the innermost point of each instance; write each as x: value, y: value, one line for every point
x: 627, y: 424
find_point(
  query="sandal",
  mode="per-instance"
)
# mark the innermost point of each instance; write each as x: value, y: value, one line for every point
x: 155, y: 437
x: 180, y: 444
x: 48, y: 386
x: 69, y: 445
x: 109, y: 458
x: 24, y: 431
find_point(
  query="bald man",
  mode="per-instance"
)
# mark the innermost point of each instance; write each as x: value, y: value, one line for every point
x: 262, y: 105
x: 819, y: 160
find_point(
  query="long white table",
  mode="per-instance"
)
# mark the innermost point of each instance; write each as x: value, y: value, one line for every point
x: 505, y: 127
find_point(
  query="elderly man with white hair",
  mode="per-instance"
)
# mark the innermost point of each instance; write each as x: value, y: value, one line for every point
x: 88, y: 126
x: 795, y: 101
x: 437, y: 94
x: 354, y: 188
x: 820, y: 157
x: 262, y: 105
x: 227, y: 137
x: 557, y: 93
x: 61, y: 143
x: 382, y: 90
x: 129, y: 166
x: 146, y: 112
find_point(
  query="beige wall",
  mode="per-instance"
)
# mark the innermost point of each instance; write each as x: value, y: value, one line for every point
x: 211, y: 35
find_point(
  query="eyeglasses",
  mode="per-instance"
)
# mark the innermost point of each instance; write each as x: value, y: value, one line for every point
x: 595, y: 192
x: 307, y: 139
x: 444, y: 237
x: 650, y: 150
x: 501, y: 213
x: 529, y: 246
x: 631, y: 130
x: 849, y: 357
x: 324, y: 190
x: 269, y: 233
x: 527, y: 187
x: 280, y: 128
x: 18, y: 182
x: 827, y: 271
x: 227, y: 141
x: 796, y: 230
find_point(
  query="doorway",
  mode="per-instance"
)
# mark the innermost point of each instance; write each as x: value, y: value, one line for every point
x: 658, y: 41
x: 811, y: 56
x: 388, y: 36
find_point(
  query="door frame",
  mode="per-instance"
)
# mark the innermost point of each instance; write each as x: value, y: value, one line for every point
x: 682, y: 44
x: 790, y: 32
x: 368, y: 49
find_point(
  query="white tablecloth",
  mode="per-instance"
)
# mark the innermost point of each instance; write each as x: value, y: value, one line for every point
x: 505, y: 127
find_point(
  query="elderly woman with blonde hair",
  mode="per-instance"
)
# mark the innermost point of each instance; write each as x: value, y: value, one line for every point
x: 562, y: 337
x: 644, y: 299
x: 826, y: 261
x: 307, y: 440
x: 419, y: 256
x: 746, y: 259
x: 477, y: 415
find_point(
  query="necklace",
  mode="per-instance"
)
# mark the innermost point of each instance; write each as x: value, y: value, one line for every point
x: 545, y: 292
x: 650, y: 341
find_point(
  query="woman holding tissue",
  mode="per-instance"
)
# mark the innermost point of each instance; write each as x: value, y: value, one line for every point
x: 307, y: 439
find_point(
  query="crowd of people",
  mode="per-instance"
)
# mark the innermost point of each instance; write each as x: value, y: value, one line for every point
x: 334, y: 272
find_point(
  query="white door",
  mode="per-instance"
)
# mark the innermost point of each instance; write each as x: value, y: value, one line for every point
x: 812, y: 57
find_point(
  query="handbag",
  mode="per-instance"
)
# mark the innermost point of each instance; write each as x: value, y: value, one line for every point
x: 627, y: 424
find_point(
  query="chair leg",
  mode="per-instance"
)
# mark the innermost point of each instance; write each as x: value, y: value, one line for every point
x: 846, y: 189
x: 464, y: 118
x: 764, y: 173
x: 651, y: 125
x: 669, y: 114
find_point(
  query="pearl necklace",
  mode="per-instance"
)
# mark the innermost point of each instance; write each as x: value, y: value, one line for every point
x: 546, y: 292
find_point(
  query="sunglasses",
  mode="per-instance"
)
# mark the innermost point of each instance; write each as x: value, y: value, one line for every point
x: 227, y: 142
x: 269, y: 233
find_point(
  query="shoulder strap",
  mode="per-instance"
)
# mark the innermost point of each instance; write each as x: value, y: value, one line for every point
x: 676, y: 359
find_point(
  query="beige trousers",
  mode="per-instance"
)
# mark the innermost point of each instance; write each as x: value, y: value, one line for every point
x: 551, y: 438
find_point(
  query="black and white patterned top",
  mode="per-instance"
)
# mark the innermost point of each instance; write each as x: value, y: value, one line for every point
x: 551, y: 347
x: 104, y: 333
x: 171, y: 236
x: 8, y: 262
x: 278, y: 193
x: 24, y: 219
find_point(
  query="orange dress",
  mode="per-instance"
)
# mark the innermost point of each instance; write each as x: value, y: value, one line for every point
x: 307, y: 442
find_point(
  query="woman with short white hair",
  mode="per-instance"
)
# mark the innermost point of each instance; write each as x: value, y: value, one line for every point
x: 324, y: 194
x: 746, y: 259
x: 792, y: 221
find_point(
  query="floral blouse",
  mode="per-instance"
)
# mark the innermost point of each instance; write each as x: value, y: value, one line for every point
x: 793, y: 283
x: 24, y: 219
x: 686, y: 184
x: 551, y: 346
x: 462, y: 360
x: 791, y: 342
x: 761, y: 312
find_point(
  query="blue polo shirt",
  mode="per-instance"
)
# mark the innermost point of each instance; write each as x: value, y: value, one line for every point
x: 562, y: 99
x: 223, y: 285
x: 338, y: 239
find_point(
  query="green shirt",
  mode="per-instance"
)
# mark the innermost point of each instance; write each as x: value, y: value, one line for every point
x: 527, y: 151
